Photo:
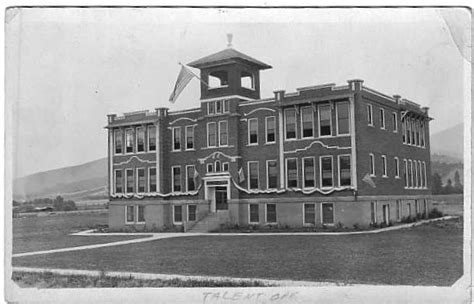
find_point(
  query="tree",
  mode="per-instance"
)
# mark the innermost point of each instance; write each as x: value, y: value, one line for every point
x: 448, y: 189
x: 437, y: 184
x: 458, y: 188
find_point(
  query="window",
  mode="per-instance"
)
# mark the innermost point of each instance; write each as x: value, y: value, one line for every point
x: 408, y: 128
x: 189, y: 137
x: 226, y: 105
x: 151, y: 138
x: 384, y: 166
x: 270, y: 129
x: 417, y: 133
x: 118, y: 139
x: 118, y: 181
x: 176, y: 138
x: 309, y: 214
x: 178, y: 214
x: 290, y: 124
x: 422, y: 130
x: 217, y: 165
x: 399, y: 210
x: 372, y: 164
x: 417, y: 207
x: 307, y: 122
x: 397, y: 167
x: 140, y: 140
x: 424, y: 174
x: 382, y: 118
x: 152, y: 179
x: 130, y: 217
x: 190, y: 178
x: 410, y: 173
x: 415, y: 177
x: 141, y: 180
x: 342, y: 110
x: 129, y: 180
x: 129, y: 140
x: 327, y: 210
x: 370, y: 119
x: 420, y: 175
x: 211, y: 134
x: 326, y: 171
x: 394, y: 122
x: 176, y: 179
x: 253, y: 131
x: 219, y: 107
x: 325, y: 120
x: 404, y: 131
x: 246, y: 80
x: 223, y: 133
x: 210, y: 168
x: 253, y: 213
x: 405, y: 174
x: 192, y: 213
x: 253, y: 175
x: 412, y: 128
x: 308, y: 173
x: 218, y: 79
x: 271, y: 213
x: 272, y: 174
x: 141, y: 214
x: 211, y: 108
x: 225, y: 167
x: 373, y: 212
x: 291, y: 173
x: 344, y: 170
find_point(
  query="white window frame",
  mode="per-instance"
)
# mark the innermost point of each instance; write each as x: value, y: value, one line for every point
x: 424, y: 173
x: 384, y: 166
x: 423, y: 131
x: 382, y: 118
x: 222, y: 122
x: 215, y: 166
x: 186, y: 138
x: 137, y: 218
x: 321, y: 172
x: 333, y: 213
x: 373, y: 172
x: 370, y: 115
x: 304, y: 217
x: 266, y: 213
x: 301, y: 121
x: 303, y: 171
x: 123, y: 141
x: 375, y: 211
x: 258, y: 208
x: 174, y: 222
x: 337, y: 117
x: 187, y: 212
x: 258, y: 174
x: 285, y: 122
x: 173, y: 130
x: 248, y: 131
x: 406, y: 181
x: 209, y: 165
x: 224, y: 164
x: 266, y: 169
x: 397, y: 167
x: 144, y: 140
x: 266, y: 129
x: 172, y: 179
x: 207, y: 134
x: 136, y: 180
x: 399, y: 209
x: 339, y: 169
x: 224, y: 102
x: 209, y: 108
x: 420, y: 173
x: 416, y: 174
x: 133, y: 141
x: 395, y: 122
x: 149, y: 179
x: 286, y: 172
x: 134, y: 214
x: 319, y: 120
x: 221, y: 106
x: 187, y: 186
x: 148, y: 137
x: 410, y: 164
x: 115, y: 181
x: 126, y: 181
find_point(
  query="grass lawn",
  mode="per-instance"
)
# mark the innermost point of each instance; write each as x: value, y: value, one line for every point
x: 451, y: 204
x: 52, y: 232
x: 425, y: 255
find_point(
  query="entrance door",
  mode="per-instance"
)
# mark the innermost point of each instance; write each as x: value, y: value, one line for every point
x: 221, y: 198
x: 386, y: 214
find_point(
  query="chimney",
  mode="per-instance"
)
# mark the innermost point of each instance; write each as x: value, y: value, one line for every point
x: 279, y: 95
x: 425, y: 110
x: 161, y: 112
x: 397, y: 98
x: 111, y: 118
x: 355, y: 84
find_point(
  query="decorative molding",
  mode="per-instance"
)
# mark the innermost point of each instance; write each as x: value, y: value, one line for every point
x: 138, y: 158
x: 182, y: 118
x: 198, y: 110
x: 259, y: 109
x: 317, y: 142
x: 226, y: 97
x: 157, y: 194
x: 215, y: 154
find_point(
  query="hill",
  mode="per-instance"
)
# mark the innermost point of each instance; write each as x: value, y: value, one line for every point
x: 449, y: 142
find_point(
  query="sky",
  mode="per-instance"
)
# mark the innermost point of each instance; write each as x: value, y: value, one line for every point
x: 68, y: 68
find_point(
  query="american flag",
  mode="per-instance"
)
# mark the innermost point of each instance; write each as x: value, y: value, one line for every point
x: 184, y: 77
x: 241, y: 175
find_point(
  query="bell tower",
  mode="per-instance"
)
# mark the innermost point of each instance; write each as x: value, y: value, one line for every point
x: 229, y: 73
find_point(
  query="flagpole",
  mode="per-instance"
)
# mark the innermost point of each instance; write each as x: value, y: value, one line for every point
x: 194, y: 74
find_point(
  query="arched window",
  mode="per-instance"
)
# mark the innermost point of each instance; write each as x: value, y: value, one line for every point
x: 218, y: 166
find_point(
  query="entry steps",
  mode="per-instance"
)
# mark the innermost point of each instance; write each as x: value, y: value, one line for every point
x: 210, y: 222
